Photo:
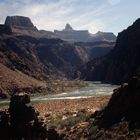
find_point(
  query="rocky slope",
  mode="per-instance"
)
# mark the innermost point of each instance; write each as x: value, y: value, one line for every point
x: 120, y: 119
x: 121, y: 63
x: 21, y: 121
x: 40, y: 58
x: 15, y: 81
x: 20, y: 67
x: 19, y: 54
x: 68, y: 57
x: 30, y: 58
x: 96, y: 49
x: 50, y: 54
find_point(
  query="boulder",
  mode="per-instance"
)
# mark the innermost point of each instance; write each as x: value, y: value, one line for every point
x: 23, y: 119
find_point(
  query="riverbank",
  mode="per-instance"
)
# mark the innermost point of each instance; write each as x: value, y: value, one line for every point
x: 51, y: 87
x: 69, y: 116
x: 60, y: 107
x: 63, y: 114
x: 60, y: 86
x: 66, y: 116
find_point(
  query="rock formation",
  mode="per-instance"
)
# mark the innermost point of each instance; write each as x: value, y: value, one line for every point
x: 22, y: 26
x: 5, y: 30
x: 121, y: 63
x: 26, y: 59
x: 19, y: 21
x: 68, y: 27
x: 123, y: 104
x: 103, y: 36
x: 71, y: 35
x: 121, y: 118
x: 21, y: 121
x: 4, y: 125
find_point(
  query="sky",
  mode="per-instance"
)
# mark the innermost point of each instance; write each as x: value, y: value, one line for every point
x: 93, y: 15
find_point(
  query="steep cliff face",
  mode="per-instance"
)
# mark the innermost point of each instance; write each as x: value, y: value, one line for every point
x: 18, y: 54
x: 20, y: 67
x: 121, y: 117
x: 122, y: 62
x: 103, y: 36
x: 67, y: 57
x: 22, y: 26
x: 23, y: 56
x: 19, y: 21
x: 123, y: 104
x: 24, y: 59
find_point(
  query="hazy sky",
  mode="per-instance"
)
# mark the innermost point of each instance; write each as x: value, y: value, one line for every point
x: 94, y: 15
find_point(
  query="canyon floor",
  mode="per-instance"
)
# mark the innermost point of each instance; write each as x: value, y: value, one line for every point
x: 66, y: 116
x: 60, y: 107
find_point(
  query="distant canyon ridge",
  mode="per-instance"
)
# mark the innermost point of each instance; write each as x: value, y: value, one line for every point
x: 23, y: 26
x: 29, y: 57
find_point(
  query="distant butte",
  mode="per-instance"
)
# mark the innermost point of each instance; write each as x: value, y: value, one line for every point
x: 68, y: 27
x: 21, y: 25
x: 19, y: 21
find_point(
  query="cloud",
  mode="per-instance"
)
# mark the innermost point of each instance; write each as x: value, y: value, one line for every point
x: 87, y: 14
x: 114, y: 2
x: 54, y: 14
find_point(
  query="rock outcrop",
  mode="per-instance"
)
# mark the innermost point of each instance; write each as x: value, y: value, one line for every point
x: 23, y: 59
x: 121, y: 63
x: 71, y: 35
x: 26, y: 60
x: 124, y: 104
x: 103, y: 36
x: 68, y: 27
x: 21, y: 121
x: 22, y: 26
x: 120, y: 119
x: 19, y: 21
x: 4, y: 125
x: 5, y: 30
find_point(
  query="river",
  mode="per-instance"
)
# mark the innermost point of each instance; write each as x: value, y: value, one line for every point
x: 92, y: 90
